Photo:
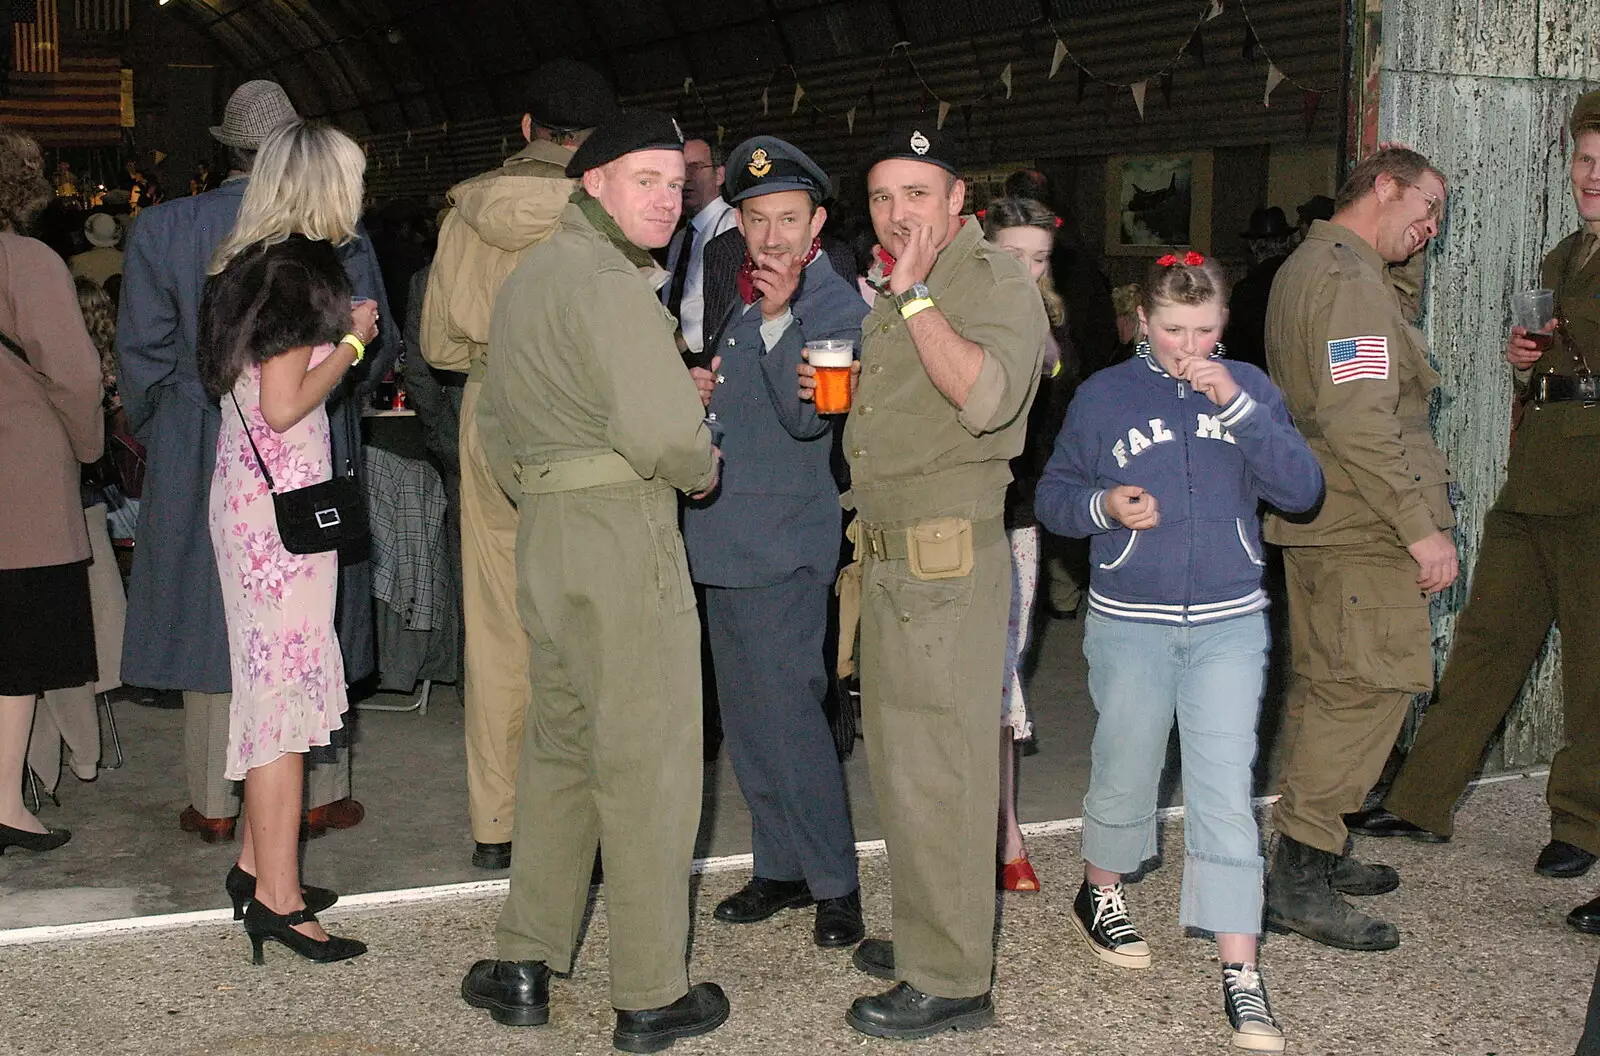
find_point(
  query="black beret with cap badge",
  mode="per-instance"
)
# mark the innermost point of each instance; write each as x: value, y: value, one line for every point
x: 623, y: 133
x: 918, y: 140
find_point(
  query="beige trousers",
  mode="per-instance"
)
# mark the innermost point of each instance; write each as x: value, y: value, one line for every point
x: 205, y: 757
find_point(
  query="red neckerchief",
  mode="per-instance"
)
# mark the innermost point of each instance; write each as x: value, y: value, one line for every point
x: 883, y: 264
x: 747, y: 273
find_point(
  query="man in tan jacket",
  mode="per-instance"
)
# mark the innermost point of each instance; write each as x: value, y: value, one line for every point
x: 495, y: 218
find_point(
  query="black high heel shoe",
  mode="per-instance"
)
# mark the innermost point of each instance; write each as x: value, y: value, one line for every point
x: 241, y: 888
x: 261, y: 924
x: 48, y: 840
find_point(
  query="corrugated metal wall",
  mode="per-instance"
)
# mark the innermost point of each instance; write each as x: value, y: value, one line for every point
x: 1483, y: 87
x: 1218, y: 104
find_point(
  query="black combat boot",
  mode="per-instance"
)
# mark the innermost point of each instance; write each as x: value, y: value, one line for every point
x: 1301, y: 898
x: 1352, y: 876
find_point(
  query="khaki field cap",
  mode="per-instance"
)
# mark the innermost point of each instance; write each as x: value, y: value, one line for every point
x: 254, y: 110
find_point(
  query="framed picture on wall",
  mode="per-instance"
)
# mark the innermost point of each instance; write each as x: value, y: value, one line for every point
x: 1158, y: 202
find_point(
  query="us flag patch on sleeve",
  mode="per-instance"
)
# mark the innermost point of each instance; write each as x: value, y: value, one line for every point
x: 1352, y: 358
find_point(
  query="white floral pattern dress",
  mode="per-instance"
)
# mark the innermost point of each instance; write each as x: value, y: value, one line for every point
x: 288, y: 674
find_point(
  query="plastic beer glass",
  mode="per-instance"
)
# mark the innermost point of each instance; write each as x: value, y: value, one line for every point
x: 832, y: 360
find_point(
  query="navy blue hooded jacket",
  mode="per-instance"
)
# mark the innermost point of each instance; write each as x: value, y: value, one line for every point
x: 1208, y: 468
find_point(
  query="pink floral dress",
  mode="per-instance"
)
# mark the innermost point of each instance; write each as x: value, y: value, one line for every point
x: 288, y: 674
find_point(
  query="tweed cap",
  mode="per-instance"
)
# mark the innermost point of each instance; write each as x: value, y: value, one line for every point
x: 767, y: 164
x: 623, y: 133
x: 565, y: 95
x: 918, y: 140
x: 1586, y: 113
x: 254, y: 109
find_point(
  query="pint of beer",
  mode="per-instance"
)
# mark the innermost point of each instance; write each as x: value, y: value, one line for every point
x: 832, y: 360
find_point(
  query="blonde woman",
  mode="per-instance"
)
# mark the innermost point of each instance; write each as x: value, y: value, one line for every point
x: 277, y: 332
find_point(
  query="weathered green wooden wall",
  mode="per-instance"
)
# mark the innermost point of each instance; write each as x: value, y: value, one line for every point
x: 1483, y: 88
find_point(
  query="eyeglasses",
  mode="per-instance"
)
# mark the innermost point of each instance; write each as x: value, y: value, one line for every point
x: 1435, y: 203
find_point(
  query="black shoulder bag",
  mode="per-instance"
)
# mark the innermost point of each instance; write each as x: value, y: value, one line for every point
x: 312, y: 520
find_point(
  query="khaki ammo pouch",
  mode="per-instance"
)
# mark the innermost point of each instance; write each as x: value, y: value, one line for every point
x: 848, y: 587
x: 573, y: 474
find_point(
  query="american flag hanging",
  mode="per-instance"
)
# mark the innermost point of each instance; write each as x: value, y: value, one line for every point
x: 35, y: 36
x: 106, y: 16
x: 79, y: 106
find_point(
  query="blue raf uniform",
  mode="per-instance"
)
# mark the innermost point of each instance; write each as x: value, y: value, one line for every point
x: 765, y: 546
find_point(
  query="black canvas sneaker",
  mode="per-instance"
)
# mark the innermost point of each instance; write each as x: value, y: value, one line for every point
x: 1101, y: 917
x: 1244, y: 996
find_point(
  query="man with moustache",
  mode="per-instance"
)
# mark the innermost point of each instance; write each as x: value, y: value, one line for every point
x: 590, y: 420
x: 1356, y: 379
x: 766, y: 546
x: 951, y: 355
x: 1536, y: 565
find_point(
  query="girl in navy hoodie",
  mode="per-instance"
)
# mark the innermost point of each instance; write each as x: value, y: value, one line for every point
x: 1162, y: 463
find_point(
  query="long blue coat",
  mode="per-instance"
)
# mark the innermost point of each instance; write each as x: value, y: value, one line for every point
x: 176, y: 634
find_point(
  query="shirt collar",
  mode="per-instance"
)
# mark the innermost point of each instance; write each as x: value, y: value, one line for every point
x: 1328, y: 231
x: 712, y: 214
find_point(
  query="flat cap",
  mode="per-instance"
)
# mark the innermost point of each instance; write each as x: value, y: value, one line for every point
x: 564, y: 95
x: 1586, y: 113
x: 623, y: 133
x: 254, y: 109
x: 766, y: 164
x: 918, y: 140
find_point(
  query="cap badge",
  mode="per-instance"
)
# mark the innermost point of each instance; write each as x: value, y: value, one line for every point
x: 676, y: 129
x: 759, y: 163
x: 919, y: 143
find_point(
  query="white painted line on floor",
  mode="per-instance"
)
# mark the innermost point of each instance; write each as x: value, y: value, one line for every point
x: 95, y: 929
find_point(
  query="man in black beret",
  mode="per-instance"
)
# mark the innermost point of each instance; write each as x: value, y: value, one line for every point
x: 589, y: 419
x: 494, y: 219
x: 766, y: 549
x: 951, y: 355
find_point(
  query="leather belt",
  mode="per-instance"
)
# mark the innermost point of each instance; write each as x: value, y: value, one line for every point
x: 894, y: 544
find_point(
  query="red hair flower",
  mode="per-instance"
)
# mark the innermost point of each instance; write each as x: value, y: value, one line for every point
x: 1193, y: 259
x: 1190, y: 259
x: 981, y: 213
x: 1168, y: 261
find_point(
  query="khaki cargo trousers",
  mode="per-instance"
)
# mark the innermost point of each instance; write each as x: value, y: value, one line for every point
x: 932, y: 667
x: 495, y: 691
x: 1361, y: 648
x: 1531, y: 571
x: 611, y: 751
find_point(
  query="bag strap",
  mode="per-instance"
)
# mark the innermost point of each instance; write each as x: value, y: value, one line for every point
x: 253, y: 448
x: 5, y: 339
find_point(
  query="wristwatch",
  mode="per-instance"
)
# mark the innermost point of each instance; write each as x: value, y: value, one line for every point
x: 914, y: 300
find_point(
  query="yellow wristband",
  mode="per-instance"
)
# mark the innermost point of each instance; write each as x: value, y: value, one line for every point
x: 911, y: 308
x: 356, y: 343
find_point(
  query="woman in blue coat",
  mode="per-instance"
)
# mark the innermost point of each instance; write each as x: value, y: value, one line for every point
x: 1163, y: 463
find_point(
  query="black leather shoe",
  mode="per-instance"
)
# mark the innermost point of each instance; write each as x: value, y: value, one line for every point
x: 492, y: 855
x: 516, y: 993
x: 906, y: 1013
x: 760, y: 899
x: 839, y: 922
x: 1586, y: 918
x: 1562, y: 860
x: 703, y: 1009
x: 1379, y: 822
x: 876, y: 958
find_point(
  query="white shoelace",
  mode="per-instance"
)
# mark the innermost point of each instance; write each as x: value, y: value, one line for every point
x: 1111, y: 910
x: 1246, y: 995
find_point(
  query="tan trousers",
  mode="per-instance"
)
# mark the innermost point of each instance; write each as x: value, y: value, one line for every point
x: 612, y: 750
x: 205, y: 757
x: 1361, y: 648
x: 496, y: 691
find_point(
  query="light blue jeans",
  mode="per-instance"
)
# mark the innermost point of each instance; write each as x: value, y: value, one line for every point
x: 1211, y: 678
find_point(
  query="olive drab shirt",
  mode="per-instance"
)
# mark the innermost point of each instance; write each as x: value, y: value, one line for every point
x: 1356, y: 379
x: 912, y: 453
x: 583, y: 363
x: 1555, y: 457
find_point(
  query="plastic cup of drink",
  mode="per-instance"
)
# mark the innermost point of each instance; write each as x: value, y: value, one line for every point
x: 832, y: 361
x: 1533, y: 310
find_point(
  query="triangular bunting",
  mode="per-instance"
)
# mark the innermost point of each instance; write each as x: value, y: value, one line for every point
x: 688, y: 85
x: 850, y: 120
x: 764, y: 108
x: 1056, y: 59
x: 1308, y: 103
x: 1005, y: 79
x: 1166, y: 88
x: 1138, y: 90
x: 444, y: 129
x: 505, y: 145
x: 721, y: 133
x: 1216, y: 9
x: 1197, y: 48
x: 1083, y: 82
x: 1274, y: 78
x: 944, y: 112
x: 799, y: 93
x: 1250, y: 43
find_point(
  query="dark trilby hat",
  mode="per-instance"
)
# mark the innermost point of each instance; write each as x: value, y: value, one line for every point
x: 623, y: 133
x: 918, y: 140
x: 564, y: 94
x: 1317, y: 207
x: 1267, y: 223
x: 765, y: 165
x: 1586, y: 113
